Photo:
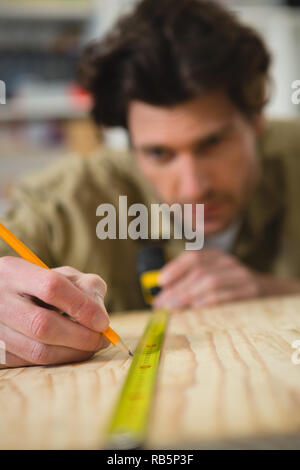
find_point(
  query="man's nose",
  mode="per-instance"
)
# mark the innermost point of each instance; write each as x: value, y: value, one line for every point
x: 194, y: 181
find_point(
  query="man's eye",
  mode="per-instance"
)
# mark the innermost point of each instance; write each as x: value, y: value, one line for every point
x: 215, y: 140
x: 210, y: 144
x: 158, y: 154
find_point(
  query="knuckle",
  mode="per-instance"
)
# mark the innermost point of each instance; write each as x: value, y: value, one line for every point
x: 70, y: 268
x: 66, y: 271
x: 50, y: 286
x: 80, y: 308
x: 96, y: 281
x: 39, y: 353
x: 40, y: 326
x: 92, y: 283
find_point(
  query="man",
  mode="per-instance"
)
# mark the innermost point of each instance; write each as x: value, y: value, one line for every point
x: 189, y: 82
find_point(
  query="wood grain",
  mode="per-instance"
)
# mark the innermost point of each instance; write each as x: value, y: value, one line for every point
x: 226, y: 380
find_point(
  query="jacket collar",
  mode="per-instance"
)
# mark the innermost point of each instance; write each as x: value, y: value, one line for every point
x: 265, y: 204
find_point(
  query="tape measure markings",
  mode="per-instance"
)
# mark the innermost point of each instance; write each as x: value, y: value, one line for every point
x: 129, y: 422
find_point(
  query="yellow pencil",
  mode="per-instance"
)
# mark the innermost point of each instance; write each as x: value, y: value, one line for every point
x: 28, y: 255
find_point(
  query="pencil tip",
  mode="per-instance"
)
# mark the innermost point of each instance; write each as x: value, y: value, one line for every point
x: 130, y: 353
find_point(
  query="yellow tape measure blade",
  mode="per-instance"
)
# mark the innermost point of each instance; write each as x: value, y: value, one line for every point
x: 128, y: 425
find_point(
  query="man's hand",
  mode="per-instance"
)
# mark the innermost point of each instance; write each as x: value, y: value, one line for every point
x: 31, y: 325
x: 209, y: 277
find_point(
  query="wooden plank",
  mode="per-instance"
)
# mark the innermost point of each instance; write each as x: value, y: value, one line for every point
x: 226, y: 380
x: 227, y: 374
x: 65, y: 407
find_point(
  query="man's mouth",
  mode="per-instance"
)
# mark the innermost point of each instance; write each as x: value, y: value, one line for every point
x: 210, y: 208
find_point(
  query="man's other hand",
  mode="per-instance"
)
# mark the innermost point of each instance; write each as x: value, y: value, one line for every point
x: 207, y: 277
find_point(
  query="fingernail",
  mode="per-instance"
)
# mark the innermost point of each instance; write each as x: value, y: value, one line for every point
x: 99, y: 321
x: 100, y: 301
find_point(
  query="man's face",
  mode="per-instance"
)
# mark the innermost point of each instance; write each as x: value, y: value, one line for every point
x: 202, y: 151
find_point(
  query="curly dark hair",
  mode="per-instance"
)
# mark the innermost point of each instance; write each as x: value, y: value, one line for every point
x: 169, y: 51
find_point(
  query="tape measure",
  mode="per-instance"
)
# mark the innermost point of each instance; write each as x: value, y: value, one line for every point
x: 128, y: 426
x: 149, y: 261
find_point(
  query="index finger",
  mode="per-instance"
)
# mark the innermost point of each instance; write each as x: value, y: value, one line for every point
x: 176, y: 268
x: 179, y: 267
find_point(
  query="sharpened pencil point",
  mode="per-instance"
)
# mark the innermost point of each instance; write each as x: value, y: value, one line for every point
x: 130, y: 353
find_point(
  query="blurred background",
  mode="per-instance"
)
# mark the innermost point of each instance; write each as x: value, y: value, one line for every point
x: 45, y: 116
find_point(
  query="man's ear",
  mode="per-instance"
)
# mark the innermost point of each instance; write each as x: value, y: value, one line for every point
x: 259, y: 123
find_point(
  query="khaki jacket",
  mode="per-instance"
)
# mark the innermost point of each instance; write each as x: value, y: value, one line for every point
x: 54, y: 213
